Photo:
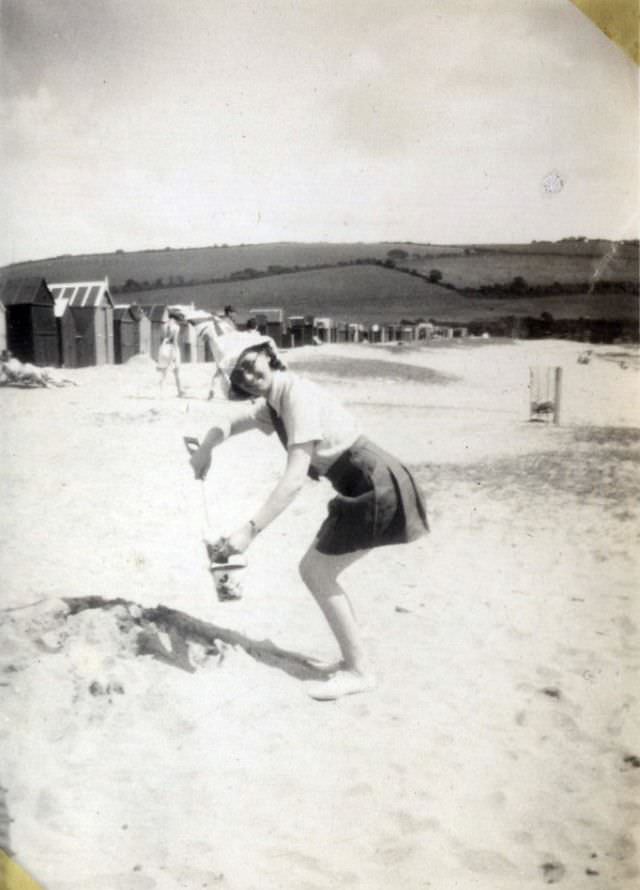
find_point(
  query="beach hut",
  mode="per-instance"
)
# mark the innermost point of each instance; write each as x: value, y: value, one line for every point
x: 66, y: 330
x: 325, y: 329
x: 407, y: 333
x: 157, y: 314
x: 295, y: 325
x: 84, y: 311
x: 31, y: 330
x: 192, y: 347
x: 131, y: 332
x: 270, y: 320
x: 376, y: 333
x: 301, y: 329
x: 355, y: 332
x: 424, y: 330
x: 3, y: 328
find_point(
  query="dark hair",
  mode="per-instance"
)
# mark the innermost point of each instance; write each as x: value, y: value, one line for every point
x: 236, y: 377
x: 275, y: 363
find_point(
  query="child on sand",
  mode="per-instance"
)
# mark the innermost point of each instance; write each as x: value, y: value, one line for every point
x: 169, y: 352
x: 377, y: 500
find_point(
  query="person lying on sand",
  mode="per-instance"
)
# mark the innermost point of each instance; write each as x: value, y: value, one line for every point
x: 377, y: 500
x: 16, y: 373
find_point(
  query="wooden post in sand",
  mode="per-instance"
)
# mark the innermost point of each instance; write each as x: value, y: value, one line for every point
x: 557, y: 396
x: 545, y: 391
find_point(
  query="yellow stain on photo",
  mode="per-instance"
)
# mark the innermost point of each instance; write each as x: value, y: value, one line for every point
x: 14, y: 877
x: 618, y: 19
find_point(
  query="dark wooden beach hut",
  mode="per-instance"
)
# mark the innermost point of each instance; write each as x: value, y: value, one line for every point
x: 131, y: 332
x: 32, y: 334
x: 84, y: 311
x: 270, y: 320
x: 325, y: 329
x: 301, y: 329
x: 3, y: 328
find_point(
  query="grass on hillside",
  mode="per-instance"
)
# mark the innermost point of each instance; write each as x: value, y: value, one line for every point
x: 501, y: 267
x: 373, y: 294
x: 204, y: 263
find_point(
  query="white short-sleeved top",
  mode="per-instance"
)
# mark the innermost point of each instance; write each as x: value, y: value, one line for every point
x: 309, y: 414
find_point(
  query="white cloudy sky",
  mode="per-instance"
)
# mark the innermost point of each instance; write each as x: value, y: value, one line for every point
x: 144, y: 123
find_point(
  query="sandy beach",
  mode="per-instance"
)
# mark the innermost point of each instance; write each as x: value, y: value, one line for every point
x: 152, y: 737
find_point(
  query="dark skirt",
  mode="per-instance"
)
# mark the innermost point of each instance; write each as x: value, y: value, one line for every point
x: 378, y: 502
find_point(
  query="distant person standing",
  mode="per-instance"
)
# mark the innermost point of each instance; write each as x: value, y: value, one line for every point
x: 169, y: 352
x: 230, y: 318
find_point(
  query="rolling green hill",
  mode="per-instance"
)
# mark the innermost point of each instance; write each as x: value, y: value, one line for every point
x: 373, y: 293
x: 323, y: 279
x: 205, y: 263
x: 568, y: 261
x: 502, y: 266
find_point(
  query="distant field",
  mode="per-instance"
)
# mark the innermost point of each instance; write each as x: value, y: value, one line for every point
x: 374, y: 294
x: 207, y: 262
x: 501, y: 268
x: 561, y: 261
x: 364, y: 293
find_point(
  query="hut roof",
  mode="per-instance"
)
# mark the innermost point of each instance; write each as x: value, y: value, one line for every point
x: 83, y: 293
x: 271, y: 313
x: 26, y: 290
x: 156, y: 312
x: 132, y: 310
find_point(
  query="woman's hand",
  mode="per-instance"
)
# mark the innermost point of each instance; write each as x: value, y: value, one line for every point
x: 239, y: 541
x: 200, y: 461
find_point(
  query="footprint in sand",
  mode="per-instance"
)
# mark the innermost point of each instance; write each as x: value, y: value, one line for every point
x: 409, y: 824
x: 487, y: 861
x: 552, y: 872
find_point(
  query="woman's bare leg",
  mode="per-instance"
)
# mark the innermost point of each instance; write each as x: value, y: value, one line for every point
x: 320, y: 573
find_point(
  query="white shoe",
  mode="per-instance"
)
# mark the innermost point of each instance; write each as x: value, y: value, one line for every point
x: 339, y: 684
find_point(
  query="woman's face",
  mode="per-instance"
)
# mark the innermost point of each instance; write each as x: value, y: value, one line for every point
x: 253, y: 373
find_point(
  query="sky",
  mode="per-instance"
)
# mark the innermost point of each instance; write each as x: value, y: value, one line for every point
x: 137, y: 124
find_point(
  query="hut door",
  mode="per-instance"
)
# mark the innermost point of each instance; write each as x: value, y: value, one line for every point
x: 45, y: 335
x: 85, y: 336
x: 20, y: 332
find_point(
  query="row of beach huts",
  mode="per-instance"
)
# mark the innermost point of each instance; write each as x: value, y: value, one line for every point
x: 77, y: 324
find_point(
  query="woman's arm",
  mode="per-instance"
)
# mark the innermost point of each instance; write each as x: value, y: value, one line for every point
x: 288, y: 487
x: 227, y: 426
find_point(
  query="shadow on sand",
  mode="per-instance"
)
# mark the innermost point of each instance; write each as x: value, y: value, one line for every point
x: 183, y: 629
